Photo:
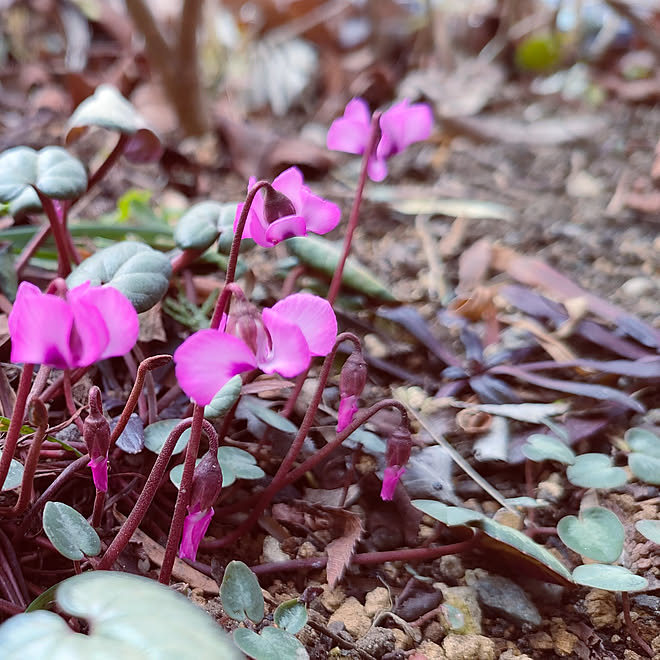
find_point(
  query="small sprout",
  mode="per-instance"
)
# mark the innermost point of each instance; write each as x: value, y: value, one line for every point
x: 290, y: 616
x: 241, y: 594
x: 595, y: 471
x: 597, y: 534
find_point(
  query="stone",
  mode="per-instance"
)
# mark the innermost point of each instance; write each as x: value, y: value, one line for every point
x: 541, y: 641
x: 402, y: 641
x: 331, y: 599
x: 564, y: 642
x: 552, y: 489
x: 377, y: 642
x: 272, y: 553
x: 377, y: 600
x: 431, y: 651
x: 505, y: 598
x: 637, y: 287
x: 351, y: 613
x: 469, y: 647
x: 601, y: 608
x: 465, y: 600
x: 509, y: 654
x: 435, y: 631
x: 451, y: 567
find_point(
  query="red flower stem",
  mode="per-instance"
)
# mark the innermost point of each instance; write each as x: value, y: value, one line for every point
x: 630, y: 626
x: 145, y: 499
x: 30, y: 248
x: 63, y: 264
x: 17, y: 416
x: 68, y: 398
x: 374, y: 134
x: 150, y: 363
x: 149, y: 388
x: 97, y: 512
x: 369, y: 558
x: 39, y: 383
x: 282, y: 479
x: 112, y: 158
x: 185, y: 258
x: 54, y: 389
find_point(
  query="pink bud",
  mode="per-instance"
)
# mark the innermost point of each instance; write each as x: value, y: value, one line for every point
x: 277, y: 205
x: 352, y: 380
x: 207, y: 482
x: 399, y: 445
x: 96, y: 434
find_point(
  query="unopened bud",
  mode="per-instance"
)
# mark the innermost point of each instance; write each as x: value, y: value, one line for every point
x: 353, y: 376
x: 399, y: 445
x: 207, y: 482
x: 277, y: 205
x: 96, y: 428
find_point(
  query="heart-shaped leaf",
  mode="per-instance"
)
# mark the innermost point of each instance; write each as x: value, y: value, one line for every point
x: 609, y: 578
x: 53, y: 171
x: 226, y: 227
x: 156, y: 434
x: 597, y: 534
x: 449, y: 515
x: 290, y: 616
x: 643, y: 441
x: 198, y: 227
x: 224, y: 399
x: 595, y: 471
x: 241, y: 594
x: 252, y: 407
x: 271, y: 644
x: 141, y: 273
x: 323, y: 256
x: 70, y: 532
x: 367, y: 441
x: 15, y: 474
x: 644, y: 461
x: 26, y: 202
x: 107, y: 108
x: 650, y: 529
x: 540, y: 447
x: 128, y: 616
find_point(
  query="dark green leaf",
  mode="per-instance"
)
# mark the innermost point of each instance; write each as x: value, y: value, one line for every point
x: 255, y: 407
x: 157, y: 433
x: 141, y: 273
x: 198, y: 227
x: 70, y: 532
x: 241, y: 594
x: 224, y: 399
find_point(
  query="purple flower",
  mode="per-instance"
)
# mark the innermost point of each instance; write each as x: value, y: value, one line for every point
x: 352, y: 380
x: 194, y: 527
x: 99, y: 468
x: 93, y: 323
x: 283, y: 340
x: 400, y: 126
x: 399, y: 445
x: 390, y: 480
x: 294, y: 212
x: 96, y: 434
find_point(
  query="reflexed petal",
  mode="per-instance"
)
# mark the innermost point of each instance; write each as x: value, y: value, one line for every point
x: 390, y: 480
x: 119, y: 316
x: 288, y: 354
x: 286, y: 227
x: 314, y: 316
x: 290, y: 183
x: 255, y: 228
x: 321, y: 216
x: 405, y: 124
x: 348, y: 136
x: 207, y: 360
x: 194, y: 527
x: 347, y: 408
x: 40, y: 327
x: 377, y: 169
x: 99, y: 466
x: 89, y: 334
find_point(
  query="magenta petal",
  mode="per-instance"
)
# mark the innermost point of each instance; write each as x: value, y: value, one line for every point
x: 290, y: 183
x: 377, y: 169
x: 99, y: 466
x: 256, y: 228
x: 347, y: 409
x: 207, y: 360
x: 321, y: 216
x: 288, y: 353
x: 89, y: 335
x: 404, y: 124
x: 40, y: 326
x: 351, y: 132
x: 315, y: 318
x: 194, y: 527
x: 286, y: 227
x: 390, y: 480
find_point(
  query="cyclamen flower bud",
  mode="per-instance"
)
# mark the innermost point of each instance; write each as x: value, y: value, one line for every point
x: 96, y: 434
x: 352, y: 380
x: 399, y: 445
x: 277, y: 205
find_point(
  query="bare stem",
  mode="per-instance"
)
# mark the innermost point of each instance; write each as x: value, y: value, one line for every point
x: 630, y: 626
x: 59, y: 231
x: 68, y: 398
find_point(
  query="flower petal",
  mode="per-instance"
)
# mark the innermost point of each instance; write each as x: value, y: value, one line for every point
x: 315, y: 318
x: 195, y: 525
x: 286, y: 227
x: 377, y: 168
x: 207, y: 360
x: 351, y: 132
x: 405, y: 124
x: 390, y: 480
x: 89, y: 334
x: 288, y: 354
x: 99, y: 467
x: 290, y: 183
x: 40, y: 326
x: 320, y: 215
x: 347, y: 408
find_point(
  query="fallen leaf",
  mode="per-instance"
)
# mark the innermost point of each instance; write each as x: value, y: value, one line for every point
x: 341, y: 549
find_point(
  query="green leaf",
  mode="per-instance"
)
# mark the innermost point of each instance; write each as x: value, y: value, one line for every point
x: 157, y: 433
x: 43, y: 601
x: 107, y: 108
x: 645, y: 467
x: 240, y: 593
x: 650, y: 529
x: 267, y: 416
x: 141, y: 273
x: 643, y: 441
x: 525, y: 502
x: 226, y: 227
x: 224, y: 399
x: 235, y: 464
x: 322, y: 255
x: 15, y: 474
x: 597, y: 534
x: 128, y: 616
x: 271, y: 644
x: 609, y: 578
x: 540, y: 447
x: 291, y: 616
x: 449, y: 515
x: 26, y: 202
x: 198, y: 227
x: 53, y: 171
x: 595, y: 471
x: 367, y: 441
x: 70, y: 532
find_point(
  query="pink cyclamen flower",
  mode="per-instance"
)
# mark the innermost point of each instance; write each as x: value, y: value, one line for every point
x: 194, y: 527
x: 399, y: 445
x: 400, y: 126
x: 92, y: 323
x: 352, y: 380
x: 274, y: 217
x: 283, y: 341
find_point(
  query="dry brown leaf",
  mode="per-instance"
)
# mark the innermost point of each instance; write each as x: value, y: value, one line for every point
x: 340, y: 551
